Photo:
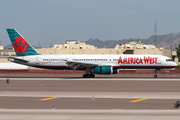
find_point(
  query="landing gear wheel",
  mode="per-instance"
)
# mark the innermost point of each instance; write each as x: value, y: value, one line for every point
x: 176, y: 104
x: 84, y: 76
x: 92, y: 75
x: 155, y: 76
x: 88, y: 76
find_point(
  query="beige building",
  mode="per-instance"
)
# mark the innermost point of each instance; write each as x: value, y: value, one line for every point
x: 1, y: 50
x: 76, y: 51
x: 135, y: 44
x: 137, y: 47
x: 74, y: 44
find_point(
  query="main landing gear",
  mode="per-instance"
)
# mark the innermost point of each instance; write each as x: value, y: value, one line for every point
x: 87, y: 75
x: 155, y: 76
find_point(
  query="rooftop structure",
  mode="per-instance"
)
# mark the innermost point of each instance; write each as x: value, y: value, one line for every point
x: 74, y: 44
x: 135, y: 44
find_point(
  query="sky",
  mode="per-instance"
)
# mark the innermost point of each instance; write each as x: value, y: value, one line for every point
x: 54, y: 21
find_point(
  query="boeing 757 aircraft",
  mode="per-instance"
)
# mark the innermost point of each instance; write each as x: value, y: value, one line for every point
x: 93, y: 64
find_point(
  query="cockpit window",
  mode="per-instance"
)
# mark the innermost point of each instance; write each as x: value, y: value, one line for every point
x: 168, y: 60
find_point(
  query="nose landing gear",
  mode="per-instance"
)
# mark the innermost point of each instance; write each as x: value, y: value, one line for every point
x: 155, y: 76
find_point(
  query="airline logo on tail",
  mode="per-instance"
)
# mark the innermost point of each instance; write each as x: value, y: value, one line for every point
x: 20, y: 45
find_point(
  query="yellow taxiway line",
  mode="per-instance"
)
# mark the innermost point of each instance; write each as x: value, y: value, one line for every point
x: 48, y: 98
x: 138, y: 100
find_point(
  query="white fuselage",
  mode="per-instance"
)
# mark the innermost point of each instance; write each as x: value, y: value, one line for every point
x: 128, y: 61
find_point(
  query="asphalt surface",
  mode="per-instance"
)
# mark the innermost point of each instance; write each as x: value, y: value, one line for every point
x: 89, y: 85
x: 112, y: 98
x: 84, y: 103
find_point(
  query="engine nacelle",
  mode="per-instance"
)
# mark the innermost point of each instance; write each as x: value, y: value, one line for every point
x: 105, y: 70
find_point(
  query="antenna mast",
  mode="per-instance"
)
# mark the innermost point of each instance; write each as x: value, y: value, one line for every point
x: 155, y: 33
x: 39, y: 45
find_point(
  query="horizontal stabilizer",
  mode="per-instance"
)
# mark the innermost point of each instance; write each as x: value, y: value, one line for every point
x: 17, y: 60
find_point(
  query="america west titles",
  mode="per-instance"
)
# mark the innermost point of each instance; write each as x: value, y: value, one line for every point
x: 138, y: 60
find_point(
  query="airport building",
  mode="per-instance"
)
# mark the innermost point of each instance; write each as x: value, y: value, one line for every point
x: 80, y: 47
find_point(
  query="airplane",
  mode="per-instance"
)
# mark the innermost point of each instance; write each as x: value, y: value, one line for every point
x: 93, y: 64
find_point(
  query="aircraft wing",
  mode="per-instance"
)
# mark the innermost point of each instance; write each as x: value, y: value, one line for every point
x: 80, y: 65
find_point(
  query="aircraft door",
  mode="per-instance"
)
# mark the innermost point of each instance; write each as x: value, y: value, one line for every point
x: 37, y: 60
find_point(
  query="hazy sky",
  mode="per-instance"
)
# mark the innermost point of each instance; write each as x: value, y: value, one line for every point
x: 54, y: 21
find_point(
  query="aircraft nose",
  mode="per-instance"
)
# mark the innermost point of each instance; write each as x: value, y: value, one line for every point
x: 174, y: 64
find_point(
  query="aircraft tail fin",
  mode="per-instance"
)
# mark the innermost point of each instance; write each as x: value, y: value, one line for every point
x: 20, y: 45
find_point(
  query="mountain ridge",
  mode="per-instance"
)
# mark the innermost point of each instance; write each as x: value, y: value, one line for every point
x: 165, y: 41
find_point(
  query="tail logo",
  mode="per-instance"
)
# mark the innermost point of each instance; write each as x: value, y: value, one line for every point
x: 20, y: 45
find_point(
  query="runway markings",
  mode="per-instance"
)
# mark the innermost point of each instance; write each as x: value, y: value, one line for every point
x: 2, y: 108
x: 48, y: 98
x: 138, y: 100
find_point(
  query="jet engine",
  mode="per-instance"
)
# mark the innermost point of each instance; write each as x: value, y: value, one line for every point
x: 105, y: 70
